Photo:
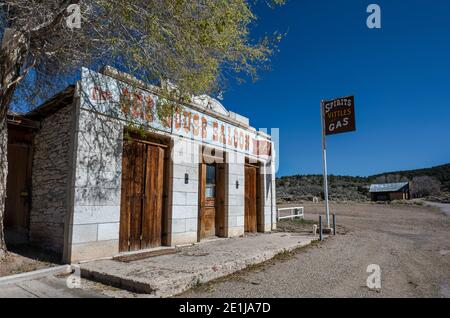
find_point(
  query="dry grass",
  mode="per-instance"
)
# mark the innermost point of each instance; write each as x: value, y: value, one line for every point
x: 303, y: 226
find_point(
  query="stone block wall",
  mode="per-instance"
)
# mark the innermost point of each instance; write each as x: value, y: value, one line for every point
x: 274, y: 191
x: 234, y: 202
x: 50, y: 177
x: 185, y: 197
x: 94, y: 225
x: 267, y: 184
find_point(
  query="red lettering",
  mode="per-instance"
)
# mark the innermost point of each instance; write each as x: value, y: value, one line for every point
x: 247, y: 142
x: 125, y: 101
x: 187, y: 122
x: 149, y: 104
x: 215, y: 131
x: 255, y: 146
x: 136, y: 110
x: 167, y: 121
x: 196, y: 124
x: 223, y: 138
x: 230, y: 141
x: 204, y: 126
x: 100, y: 95
x: 177, y: 118
x: 241, y: 140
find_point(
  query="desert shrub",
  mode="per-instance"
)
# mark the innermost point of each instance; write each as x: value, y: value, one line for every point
x: 424, y: 186
x: 347, y: 188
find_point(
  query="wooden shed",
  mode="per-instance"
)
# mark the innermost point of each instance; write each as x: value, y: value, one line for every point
x: 390, y: 191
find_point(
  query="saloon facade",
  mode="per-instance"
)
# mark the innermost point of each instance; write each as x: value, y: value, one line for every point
x: 84, y: 183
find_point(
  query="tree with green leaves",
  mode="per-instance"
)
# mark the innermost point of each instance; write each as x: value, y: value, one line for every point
x: 196, y: 44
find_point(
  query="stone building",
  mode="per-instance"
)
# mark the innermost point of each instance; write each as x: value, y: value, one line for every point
x: 95, y: 172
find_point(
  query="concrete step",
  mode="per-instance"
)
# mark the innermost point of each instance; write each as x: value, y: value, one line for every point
x: 169, y: 275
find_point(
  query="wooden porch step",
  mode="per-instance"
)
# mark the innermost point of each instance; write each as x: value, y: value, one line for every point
x: 136, y: 256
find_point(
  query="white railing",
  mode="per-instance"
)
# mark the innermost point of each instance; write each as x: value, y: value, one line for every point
x: 296, y: 212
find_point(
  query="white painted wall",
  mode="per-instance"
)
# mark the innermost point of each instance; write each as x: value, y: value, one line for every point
x: 235, y: 203
x: 97, y: 187
x: 94, y: 225
x: 184, y: 205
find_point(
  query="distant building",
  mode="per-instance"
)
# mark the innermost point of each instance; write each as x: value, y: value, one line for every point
x: 390, y: 191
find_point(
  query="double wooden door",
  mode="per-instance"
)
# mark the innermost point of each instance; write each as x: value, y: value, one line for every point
x: 142, y: 196
x: 251, y: 199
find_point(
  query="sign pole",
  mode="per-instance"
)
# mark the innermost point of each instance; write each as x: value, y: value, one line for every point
x: 325, y: 172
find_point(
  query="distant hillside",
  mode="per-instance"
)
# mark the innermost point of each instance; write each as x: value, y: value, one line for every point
x: 441, y: 173
x: 306, y: 187
x: 345, y: 188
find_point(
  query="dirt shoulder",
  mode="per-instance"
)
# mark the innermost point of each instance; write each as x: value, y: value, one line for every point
x: 444, y: 207
x: 26, y: 259
x: 301, y: 226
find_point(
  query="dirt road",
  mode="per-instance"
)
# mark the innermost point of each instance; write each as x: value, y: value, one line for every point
x: 411, y: 244
x: 444, y: 207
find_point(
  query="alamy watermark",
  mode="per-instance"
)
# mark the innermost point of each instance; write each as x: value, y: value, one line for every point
x: 73, y: 21
x: 74, y: 280
x: 374, y: 279
x: 374, y: 19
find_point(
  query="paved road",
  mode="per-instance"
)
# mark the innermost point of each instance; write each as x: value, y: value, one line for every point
x: 411, y: 245
x: 48, y: 287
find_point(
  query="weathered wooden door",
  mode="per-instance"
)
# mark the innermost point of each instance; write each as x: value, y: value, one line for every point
x: 250, y: 217
x: 207, y: 217
x: 212, y: 201
x: 18, y: 196
x: 142, y: 196
x: 17, y: 209
x: 220, y: 201
x: 153, y: 198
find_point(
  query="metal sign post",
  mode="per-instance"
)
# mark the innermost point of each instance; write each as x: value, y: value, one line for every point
x: 325, y: 172
x: 337, y: 116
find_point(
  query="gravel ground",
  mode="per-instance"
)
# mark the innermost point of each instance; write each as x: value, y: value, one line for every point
x: 410, y: 243
x: 21, y: 259
x: 445, y: 207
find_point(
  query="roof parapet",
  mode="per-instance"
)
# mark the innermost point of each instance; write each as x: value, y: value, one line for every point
x: 203, y: 101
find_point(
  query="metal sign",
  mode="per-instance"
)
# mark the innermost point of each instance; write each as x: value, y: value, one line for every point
x: 339, y: 115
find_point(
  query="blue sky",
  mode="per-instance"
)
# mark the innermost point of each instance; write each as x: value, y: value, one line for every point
x: 400, y: 76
